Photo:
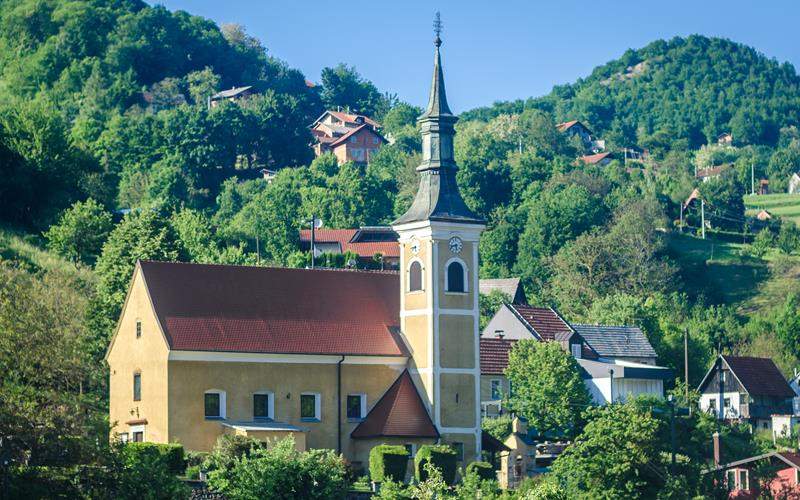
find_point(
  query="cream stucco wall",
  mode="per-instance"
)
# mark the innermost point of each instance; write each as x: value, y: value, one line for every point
x: 147, y: 355
x: 188, y: 381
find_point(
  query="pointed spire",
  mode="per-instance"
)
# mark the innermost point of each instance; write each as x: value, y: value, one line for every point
x: 438, y: 197
x: 437, y: 100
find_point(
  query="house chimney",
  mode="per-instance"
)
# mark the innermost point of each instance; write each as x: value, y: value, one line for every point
x: 717, y: 448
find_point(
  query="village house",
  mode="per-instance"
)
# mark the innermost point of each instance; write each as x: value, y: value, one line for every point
x: 350, y: 137
x: 794, y: 183
x: 616, y: 363
x: 576, y: 128
x: 511, y: 287
x: 776, y: 472
x: 337, y: 359
x: 725, y: 139
x: 753, y: 390
x: 233, y: 94
x: 366, y: 242
x: 711, y: 173
x: 763, y: 186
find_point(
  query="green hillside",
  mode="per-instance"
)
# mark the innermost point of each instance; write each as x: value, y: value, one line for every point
x: 679, y: 92
x: 25, y: 249
x: 787, y: 206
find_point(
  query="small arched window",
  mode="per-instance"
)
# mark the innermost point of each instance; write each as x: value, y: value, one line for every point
x: 455, y: 277
x: 415, y: 276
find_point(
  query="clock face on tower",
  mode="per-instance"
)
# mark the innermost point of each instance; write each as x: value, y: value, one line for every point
x: 456, y: 244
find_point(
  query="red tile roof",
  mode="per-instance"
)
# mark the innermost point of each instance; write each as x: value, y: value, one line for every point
x: 344, y: 237
x: 596, y: 158
x: 759, y: 376
x: 494, y: 355
x: 352, y: 118
x: 566, y: 125
x: 544, y: 321
x: 400, y: 412
x: 204, y: 307
x: 366, y: 127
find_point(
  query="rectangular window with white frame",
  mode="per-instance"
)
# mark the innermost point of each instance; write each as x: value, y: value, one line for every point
x: 356, y: 407
x: 214, y: 404
x: 310, y: 407
x: 137, y: 433
x: 576, y: 351
x: 263, y: 405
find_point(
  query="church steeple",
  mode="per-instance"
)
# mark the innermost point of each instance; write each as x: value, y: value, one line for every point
x: 438, y: 197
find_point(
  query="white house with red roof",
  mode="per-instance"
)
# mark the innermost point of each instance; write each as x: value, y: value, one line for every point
x: 366, y: 242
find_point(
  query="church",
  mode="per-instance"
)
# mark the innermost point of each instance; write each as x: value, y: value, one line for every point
x: 338, y: 359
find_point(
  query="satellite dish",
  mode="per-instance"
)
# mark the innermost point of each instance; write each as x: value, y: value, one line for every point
x: 317, y: 223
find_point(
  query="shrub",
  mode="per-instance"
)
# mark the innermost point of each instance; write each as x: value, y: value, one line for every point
x: 282, y: 472
x: 192, y: 472
x: 484, y: 470
x: 171, y: 453
x: 148, y: 467
x: 441, y: 456
x: 388, y: 462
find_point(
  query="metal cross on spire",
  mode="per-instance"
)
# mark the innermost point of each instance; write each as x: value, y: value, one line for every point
x: 437, y: 28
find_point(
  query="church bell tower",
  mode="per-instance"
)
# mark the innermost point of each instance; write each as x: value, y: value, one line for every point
x: 439, y: 278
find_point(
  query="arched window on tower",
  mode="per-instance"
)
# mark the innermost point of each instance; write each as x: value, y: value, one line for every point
x: 415, y: 276
x: 455, y: 277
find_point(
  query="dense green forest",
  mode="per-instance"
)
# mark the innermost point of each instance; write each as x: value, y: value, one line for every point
x: 109, y: 153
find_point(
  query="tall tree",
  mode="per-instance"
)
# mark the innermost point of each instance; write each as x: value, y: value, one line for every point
x: 548, y: 389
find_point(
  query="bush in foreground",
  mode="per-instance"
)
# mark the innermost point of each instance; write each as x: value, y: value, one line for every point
x: 388, y: 462
x: 282, y: 472
x: 440, y: 456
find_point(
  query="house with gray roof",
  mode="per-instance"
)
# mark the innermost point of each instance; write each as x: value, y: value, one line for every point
x: 616, y: 362
x: 618, y: 343
x: 509, y: 286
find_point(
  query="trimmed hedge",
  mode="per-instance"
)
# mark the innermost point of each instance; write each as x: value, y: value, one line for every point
x: 388, y: 462
x: 442, y: 456
x: 484, y: 470
x: 172, y: 454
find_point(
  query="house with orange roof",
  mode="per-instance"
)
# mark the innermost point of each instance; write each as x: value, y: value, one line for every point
x: 351, y: 137
x: 366, y: 242
x: 337, y: 359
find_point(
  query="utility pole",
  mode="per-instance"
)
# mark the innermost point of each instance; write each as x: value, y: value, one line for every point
x: 313, y: 228
x: 703, y: 217
x: 680, y: 226
x: 686, y: 365
x: 258, y: 252
x: 752, y: 179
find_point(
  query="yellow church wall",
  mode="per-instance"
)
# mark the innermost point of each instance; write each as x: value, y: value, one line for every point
x: 146, y: 355
x: 457, y: 403
x: 417, y: 332
x: 190, y: 380
x: 451, y: 300
x: 417, y: 299
x: 456, y: 341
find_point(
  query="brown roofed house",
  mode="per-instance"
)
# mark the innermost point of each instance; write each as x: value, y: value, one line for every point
x: 350, y: 137
x: 753, y: 390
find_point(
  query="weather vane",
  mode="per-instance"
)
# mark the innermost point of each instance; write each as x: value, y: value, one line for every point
x: 437, y: 28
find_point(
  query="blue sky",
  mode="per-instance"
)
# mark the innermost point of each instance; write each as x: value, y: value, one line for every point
x: 493, y: 50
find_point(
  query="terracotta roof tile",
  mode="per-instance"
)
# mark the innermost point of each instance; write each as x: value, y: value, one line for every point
x: 544, y: 321
x: 364, y: 249
x: 494, y: 355
x: 595, y: 158
x: 343, y: 138
x: 207, y: 307
x: 400, y: 412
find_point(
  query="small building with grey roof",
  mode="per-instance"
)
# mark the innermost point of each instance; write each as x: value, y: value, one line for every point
x: 618, y: 343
